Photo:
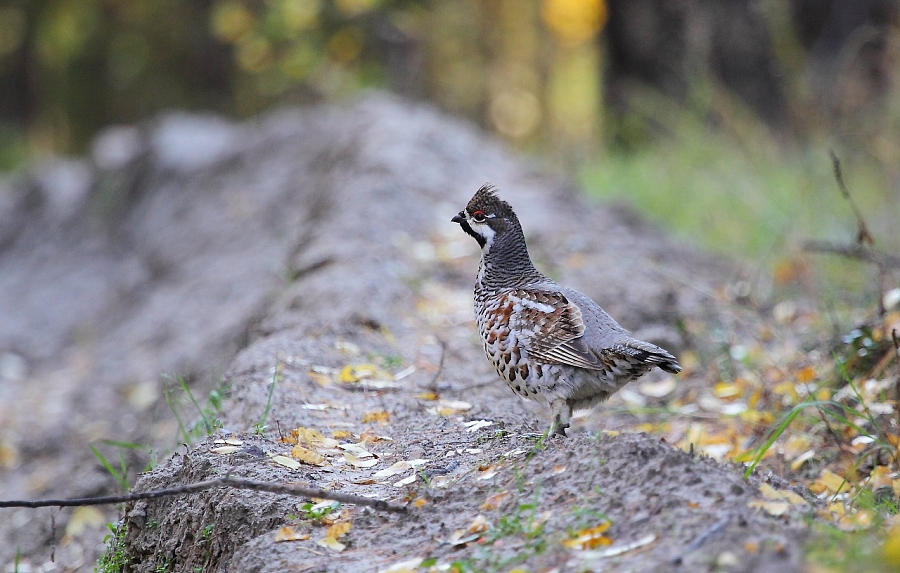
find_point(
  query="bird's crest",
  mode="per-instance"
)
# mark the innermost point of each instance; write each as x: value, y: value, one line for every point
x: 486, y: 200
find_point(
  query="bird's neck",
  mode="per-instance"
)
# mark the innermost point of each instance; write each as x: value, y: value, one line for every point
x: 505, y: 263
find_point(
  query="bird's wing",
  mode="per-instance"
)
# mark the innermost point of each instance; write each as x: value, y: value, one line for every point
x: 550, y: 327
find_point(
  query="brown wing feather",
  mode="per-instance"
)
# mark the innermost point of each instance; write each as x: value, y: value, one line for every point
x: 550, y: 327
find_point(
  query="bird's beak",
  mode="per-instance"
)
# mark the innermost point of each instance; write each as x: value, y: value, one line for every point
x: 459, y: 218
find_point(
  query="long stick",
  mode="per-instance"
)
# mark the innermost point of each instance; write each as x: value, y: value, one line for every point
x: 228, y: 481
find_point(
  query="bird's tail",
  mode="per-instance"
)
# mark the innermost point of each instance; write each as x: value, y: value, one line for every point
x: 651, y: 354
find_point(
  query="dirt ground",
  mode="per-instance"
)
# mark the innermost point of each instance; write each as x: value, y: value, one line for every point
x: 312, y: 249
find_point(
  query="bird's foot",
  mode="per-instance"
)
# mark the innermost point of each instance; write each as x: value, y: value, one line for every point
x: 559, y: 429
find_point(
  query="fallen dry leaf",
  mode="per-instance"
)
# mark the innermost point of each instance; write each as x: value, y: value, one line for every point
x: 358, y: 463
x: 307, y: 456
x: 478, y: 525
x: 495, y: 500
x: 830, y: 482
x: 476, y: 425
x: 225, y: 450
x: 589, y: 538
x: 333, y: 533
x: 286, y: 462
x: 406, y: 481
x: 313, y: 438
x: 288, y: 533
x: 773, y: 494
x: 357, y: 450
x: 399, y: 468
x: 620, y: 549
x: 338, y: 529
x: 379, y: 416
x: 460, y: 537
x: 407, y: 566
x: 775, y: 508
x: 441, y: 481
x: 489, y: 472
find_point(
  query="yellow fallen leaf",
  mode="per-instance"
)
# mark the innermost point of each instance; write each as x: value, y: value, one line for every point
x: 357, y: 372
x: 319, y: 378
x: 806, y: 374
x: 340, y: 434
x: 589, y: 538
x: 795, y: 445
x: 286, y: 462
x: 771, y: 493
x: 307, y: 456
x: 727, y: 390
x: 478, y: 525
x: 428, y: 396
x: 338, y: 530
x: 494, y: 501
x: 288, y: 533
x: 775, y: 508
x: 830, y: 481
x: 313, y: 438
x: 379, y: 416
x: 861, y: 519
x: 420, y: 502
x: 358, y: 463
x: 880, y: 477
x: 332, y: 544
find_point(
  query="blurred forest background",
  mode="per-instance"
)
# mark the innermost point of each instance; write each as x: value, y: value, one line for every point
x: 714, y: 116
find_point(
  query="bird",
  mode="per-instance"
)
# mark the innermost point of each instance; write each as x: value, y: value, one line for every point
x: 549, y: 343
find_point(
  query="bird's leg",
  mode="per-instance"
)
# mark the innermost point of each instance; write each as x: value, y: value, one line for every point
x: 560, y: 412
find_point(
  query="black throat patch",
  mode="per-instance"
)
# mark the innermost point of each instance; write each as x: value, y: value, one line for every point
x: 468, y: 229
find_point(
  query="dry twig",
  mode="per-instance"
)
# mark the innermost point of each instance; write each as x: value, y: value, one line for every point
x: 859, y: 252
x: 862, y: 234
x: 228, y: 481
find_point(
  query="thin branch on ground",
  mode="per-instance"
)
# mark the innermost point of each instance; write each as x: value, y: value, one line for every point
x: 228, y: 481
x: 859, y: 252
x: 440, y: 369
x: 862, y: 234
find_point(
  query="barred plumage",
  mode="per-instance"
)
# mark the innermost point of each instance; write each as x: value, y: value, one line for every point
x: 548, y: 343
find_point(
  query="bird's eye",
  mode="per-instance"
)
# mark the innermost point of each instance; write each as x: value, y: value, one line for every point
x: 478, y: 216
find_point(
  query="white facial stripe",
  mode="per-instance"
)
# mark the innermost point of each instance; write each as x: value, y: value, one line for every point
x: 486, y: 232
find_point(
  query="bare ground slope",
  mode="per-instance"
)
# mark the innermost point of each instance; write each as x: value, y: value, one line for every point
x: 314, y: 240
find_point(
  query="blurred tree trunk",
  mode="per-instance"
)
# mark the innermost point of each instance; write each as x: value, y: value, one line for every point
x: 671, y: 44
